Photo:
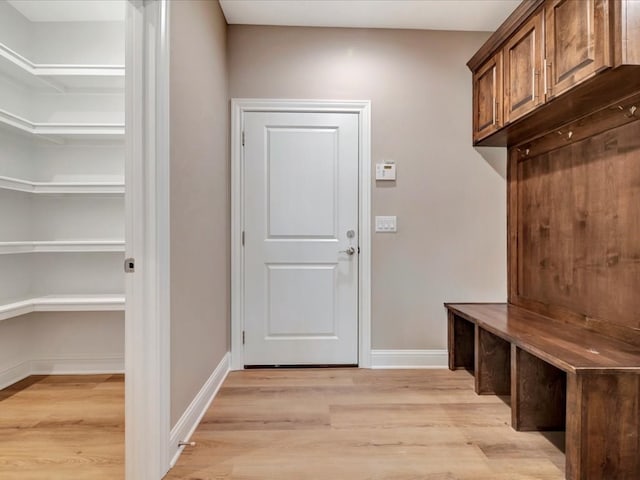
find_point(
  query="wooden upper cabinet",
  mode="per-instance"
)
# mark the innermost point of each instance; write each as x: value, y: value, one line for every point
x: 523, y: 69
x: 578, y: 42
x: 627, y: 24
x: 487, y: 98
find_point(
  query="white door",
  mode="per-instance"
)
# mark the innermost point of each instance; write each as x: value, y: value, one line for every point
x: 301, y: 238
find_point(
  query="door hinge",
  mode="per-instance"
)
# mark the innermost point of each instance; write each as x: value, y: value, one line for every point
x: 243, y: 238
x: 243, y: 139
x: 358, y: 249
x: 243, y: 337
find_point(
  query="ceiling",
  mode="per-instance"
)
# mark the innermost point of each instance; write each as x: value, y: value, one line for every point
x: 70, y: 10
x: 470, y: 15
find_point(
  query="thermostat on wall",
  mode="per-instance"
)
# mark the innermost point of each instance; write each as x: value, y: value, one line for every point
x: 385, y: 171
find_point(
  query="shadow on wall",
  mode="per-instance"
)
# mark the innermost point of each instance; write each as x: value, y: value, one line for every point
x: 496, y: 157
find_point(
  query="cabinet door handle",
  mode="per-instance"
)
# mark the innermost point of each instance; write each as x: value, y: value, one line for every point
x: 548, y: 87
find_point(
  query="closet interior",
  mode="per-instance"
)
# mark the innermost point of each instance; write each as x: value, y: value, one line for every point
x: 61, y: 188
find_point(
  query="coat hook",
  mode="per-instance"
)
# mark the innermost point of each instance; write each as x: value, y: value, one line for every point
x: 632, y: 111
x: 569, y: 135
x: 523, y: 152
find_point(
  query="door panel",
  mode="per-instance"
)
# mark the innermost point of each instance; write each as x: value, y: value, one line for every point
x: 487, y: 98
x: 300, y: 201
x: 523, y: 59
x: 578, y: 41
x: 302, y: 164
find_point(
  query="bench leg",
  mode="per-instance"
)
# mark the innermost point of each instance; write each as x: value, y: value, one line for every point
x: 460, y: 343
x: 492, y: 364
x: 603, y: 418
x: 538, y: 392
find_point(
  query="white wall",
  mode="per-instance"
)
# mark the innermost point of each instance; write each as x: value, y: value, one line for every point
x: 450, y: 203
x: 61, y: 342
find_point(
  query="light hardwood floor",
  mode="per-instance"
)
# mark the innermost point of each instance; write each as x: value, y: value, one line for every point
x: 328, y: 424
x: 63, y: 428
x: 352, y: 424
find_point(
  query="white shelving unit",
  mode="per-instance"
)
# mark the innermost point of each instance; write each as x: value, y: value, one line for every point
x: 62, y: 303
x: 57, y: 77
x: 61, y: 182
x: 59, y: 132
x: 62, y: 246
x: 70, y: 188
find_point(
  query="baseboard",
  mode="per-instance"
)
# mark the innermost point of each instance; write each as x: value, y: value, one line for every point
x: 84, y: 364
x: 14, y: 374
x: 409, y: 359
x: 195, y: 411
x: 62, y: 365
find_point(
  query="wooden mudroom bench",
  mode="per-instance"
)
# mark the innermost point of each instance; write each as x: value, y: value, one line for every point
x: 560, y: 376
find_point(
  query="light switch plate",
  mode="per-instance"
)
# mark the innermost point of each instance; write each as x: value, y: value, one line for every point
x: 386, y: 224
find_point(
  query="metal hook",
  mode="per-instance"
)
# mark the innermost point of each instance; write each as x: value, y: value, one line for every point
x: 632, y: 111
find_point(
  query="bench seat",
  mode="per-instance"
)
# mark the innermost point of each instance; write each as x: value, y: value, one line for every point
x: 558, y: 376
x: 565, y: 346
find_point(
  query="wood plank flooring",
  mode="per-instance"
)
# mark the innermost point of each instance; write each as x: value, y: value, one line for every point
x: 63, y: 428
x: 328, y: 424
x: 363, y: 424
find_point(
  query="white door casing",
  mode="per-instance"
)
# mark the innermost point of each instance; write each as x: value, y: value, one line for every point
x: 147, y: 327
x: 287, y: 184
x: 301, y: 238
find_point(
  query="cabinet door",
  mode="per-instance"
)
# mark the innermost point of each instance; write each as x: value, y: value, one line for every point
x: 487, y: 98
x: 523, y: 60
x: 578, y: 41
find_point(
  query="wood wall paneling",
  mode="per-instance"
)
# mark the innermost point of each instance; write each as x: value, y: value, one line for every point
x: 578, y: 243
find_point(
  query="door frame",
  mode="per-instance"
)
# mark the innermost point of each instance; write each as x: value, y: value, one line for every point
x: 147, y: 321
x: 241, y: 106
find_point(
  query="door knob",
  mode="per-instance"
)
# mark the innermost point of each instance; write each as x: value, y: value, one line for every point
x: 348, y: 251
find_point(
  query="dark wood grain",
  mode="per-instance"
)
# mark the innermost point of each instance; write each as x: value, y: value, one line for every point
x: 492, y: 364
x: 504, y: 31
x: 512, y: 225
x: 613, y: 116
x: 568, y: 347
x: 603, y: 420
x: 487, y: 98
x: 538, y: 393
x: 523, y: 60
x: 596, y: 93
x: 625, y: 26
x: 461, y: 343
x: 578, y: 246
x: 578, y: 42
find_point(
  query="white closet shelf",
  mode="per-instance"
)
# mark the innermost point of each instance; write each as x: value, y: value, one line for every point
x: 62, y: 303
x: 60, y: 77
x: 64, y: 246
x: 49, y: 188
x: 58, y: 132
